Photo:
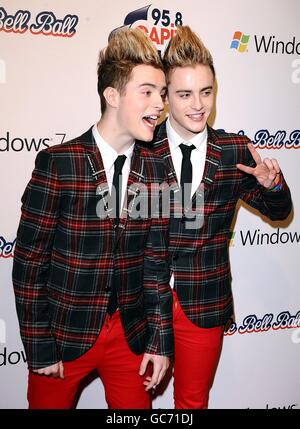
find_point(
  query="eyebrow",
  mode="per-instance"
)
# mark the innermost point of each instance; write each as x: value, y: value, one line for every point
x: 164, y: 88
x: 189, y: 90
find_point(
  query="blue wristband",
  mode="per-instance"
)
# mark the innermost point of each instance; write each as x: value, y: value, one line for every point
x: 276, y: 187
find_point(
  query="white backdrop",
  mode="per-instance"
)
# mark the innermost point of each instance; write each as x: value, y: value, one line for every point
x: 48, y: 57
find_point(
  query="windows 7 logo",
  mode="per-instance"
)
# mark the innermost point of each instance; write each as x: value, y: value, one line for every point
x: 231, y: 235
x: 239, y: 41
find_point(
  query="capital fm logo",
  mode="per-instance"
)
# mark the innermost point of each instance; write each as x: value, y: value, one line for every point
x: 7, y: 248
x: 159, y: 24
x: 265, y: 44
x: 45, y: 23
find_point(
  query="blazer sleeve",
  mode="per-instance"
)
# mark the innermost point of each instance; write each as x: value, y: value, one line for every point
x: 157, y: 291
x: 36, y: 232
x: 276, y: 205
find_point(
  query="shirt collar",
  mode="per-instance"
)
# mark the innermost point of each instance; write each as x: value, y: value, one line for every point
x: 175, y: 140
x: 108, y: 153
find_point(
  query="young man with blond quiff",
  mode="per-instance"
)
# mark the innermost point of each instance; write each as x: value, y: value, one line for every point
x: 216, y: 169
x: 90, y: 279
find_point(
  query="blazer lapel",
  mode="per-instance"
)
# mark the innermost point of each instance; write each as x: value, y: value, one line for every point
x: 213, y: 157
x: 136, y: 177
x: 162, y: 148
x: 96, y: 169
x: 212, y: 161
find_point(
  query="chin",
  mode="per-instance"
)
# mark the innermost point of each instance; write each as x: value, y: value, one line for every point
x: 146, y: 137
x: 198, y: 129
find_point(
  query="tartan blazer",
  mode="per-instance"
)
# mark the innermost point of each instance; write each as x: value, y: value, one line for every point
x: 66, y: 255
x: 199, y: 257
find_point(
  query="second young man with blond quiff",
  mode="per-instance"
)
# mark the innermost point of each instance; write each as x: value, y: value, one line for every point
x: 223, y: 168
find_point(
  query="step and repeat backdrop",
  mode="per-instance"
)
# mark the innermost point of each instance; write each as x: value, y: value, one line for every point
x: 48, y: 94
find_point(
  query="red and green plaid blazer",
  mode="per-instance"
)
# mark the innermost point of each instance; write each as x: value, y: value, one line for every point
x: 66, y: 255
x: 199, y: 257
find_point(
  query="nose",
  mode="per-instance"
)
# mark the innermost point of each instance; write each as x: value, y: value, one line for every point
x: 197, y: 102
x: 158, y: 102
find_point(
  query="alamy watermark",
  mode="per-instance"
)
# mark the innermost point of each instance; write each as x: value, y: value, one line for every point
x: 2, y: 331
x: 296, y: 336
x: 296, y: 73
x: 155, y: 201
x: 2, y: 71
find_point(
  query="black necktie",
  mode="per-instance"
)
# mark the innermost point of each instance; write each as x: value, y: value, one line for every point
x: 186, y: 176
x: 117, y: 184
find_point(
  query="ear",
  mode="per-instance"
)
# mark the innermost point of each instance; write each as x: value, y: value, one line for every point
x: 111, y: 96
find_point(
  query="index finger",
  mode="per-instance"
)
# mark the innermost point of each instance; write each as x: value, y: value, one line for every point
x: 254, y: 153
x: 154, y: 378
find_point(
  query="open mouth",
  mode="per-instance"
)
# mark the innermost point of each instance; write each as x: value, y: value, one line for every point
x: 196, y: 116
x: 151, y: 120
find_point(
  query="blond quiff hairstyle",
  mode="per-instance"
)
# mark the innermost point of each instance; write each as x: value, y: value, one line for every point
x: 186, y: 49
x: 127, y: 48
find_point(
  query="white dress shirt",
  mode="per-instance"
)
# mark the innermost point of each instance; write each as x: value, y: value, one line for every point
x: 109, y: 155
x: 198, y: 156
